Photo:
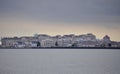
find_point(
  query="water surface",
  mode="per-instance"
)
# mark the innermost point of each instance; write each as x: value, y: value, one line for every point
x: 59, y: 61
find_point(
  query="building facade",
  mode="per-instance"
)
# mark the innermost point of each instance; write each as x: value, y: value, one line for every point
x: 43, y: 40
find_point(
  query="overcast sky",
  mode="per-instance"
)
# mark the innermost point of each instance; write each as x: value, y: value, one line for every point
x: 27, y: 17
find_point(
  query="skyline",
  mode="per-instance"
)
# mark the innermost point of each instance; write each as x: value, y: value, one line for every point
x: 59, y: 17
x: 65, y: 41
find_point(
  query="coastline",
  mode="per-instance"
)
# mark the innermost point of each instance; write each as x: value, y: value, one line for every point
x: 66, y: 48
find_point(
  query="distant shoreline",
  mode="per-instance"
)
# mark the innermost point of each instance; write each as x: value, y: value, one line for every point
x: 66, y: 48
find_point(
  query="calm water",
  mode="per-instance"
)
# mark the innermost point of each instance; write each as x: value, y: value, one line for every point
x: 59, y: 61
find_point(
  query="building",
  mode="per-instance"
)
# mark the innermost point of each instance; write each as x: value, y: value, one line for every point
x: 9, y: 42
x: 106, y: 42
x: 43, y: 40
x: 47, y: 43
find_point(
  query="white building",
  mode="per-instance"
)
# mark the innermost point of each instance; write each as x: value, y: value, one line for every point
x: 43, y: 40
x: 48, y: 43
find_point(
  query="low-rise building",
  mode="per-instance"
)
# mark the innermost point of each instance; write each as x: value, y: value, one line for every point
x: 48, y: 43
x: 43, y: 40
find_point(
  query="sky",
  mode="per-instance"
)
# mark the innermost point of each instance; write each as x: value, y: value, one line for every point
x: 59, y: 17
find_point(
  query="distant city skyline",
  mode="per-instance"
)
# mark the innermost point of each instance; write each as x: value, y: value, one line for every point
x: 59, y: 17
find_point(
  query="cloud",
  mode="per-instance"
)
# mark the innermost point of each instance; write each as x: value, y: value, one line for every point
x: 45, y: 16
x: 62, y: 10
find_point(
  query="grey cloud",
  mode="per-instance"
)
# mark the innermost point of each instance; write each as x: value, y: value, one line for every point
x: 63, y: 10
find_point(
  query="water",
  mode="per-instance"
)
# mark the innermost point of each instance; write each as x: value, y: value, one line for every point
x: 59, y: 61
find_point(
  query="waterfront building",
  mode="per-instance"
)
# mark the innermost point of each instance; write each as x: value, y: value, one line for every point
x: 47, y: 43
x: 41, y: 37
x: 106, y: 38
x: 34, y: 44
x: 9, y: 42
x: 19, y: 44
x: 106, y: 42
x: 43, y: 40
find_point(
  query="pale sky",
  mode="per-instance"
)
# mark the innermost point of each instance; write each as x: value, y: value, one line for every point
x: 53, y: 17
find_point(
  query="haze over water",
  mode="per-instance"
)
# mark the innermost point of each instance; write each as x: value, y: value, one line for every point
x: 59, y: 61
